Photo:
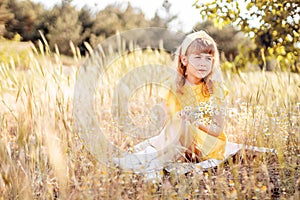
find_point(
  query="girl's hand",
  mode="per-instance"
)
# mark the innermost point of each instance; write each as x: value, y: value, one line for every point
x: 185, y: 113
x: 212, y: 129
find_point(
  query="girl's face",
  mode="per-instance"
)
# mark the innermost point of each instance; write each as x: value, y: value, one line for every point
x: 198, y: 65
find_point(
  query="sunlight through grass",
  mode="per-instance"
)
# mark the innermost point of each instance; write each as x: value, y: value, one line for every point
x: 43, y: 158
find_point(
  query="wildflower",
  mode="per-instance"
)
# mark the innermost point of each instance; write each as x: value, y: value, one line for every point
x: 263, y: 189
x: 231, y: 183
x: 187, y: 108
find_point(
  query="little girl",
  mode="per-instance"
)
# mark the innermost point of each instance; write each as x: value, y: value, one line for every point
x: 196, y: 110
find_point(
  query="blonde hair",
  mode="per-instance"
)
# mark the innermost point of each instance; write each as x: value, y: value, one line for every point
x: 199, y: 42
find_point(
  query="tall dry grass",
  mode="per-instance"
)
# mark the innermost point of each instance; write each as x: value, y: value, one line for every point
x: 43, y: 158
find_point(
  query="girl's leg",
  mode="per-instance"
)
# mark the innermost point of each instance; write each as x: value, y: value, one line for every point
x: 158, y: 142
x: 174, y: 133
x: 186, y: 138
x: 142, y: 145
x: 156, y: 150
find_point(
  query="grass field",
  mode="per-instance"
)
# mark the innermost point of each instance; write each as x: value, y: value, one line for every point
x: 43, y: 158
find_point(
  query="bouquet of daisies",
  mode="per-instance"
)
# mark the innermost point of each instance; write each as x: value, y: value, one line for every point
x: 201, y: 114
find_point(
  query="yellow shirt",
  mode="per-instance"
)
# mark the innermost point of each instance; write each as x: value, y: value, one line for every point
x: 210, y: 146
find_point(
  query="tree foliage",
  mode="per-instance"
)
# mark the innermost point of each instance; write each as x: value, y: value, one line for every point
x: 5, y: 16
x: 25, y: 21
x: 63, y: 23
x: 65, y: 28
x: 114, y: 18
x: 273, y: 25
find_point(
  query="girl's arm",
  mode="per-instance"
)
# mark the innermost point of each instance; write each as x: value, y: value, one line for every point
x: 216, y: 128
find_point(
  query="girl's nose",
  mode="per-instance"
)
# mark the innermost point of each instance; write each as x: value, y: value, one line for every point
x: 203, y: 62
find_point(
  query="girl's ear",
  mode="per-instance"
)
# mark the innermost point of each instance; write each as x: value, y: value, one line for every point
x: 184, y: 60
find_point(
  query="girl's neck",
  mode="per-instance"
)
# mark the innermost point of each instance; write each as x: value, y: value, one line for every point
x: 193, y: 80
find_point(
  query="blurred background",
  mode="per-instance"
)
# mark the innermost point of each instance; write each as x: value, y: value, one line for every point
x: 251, y: 35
